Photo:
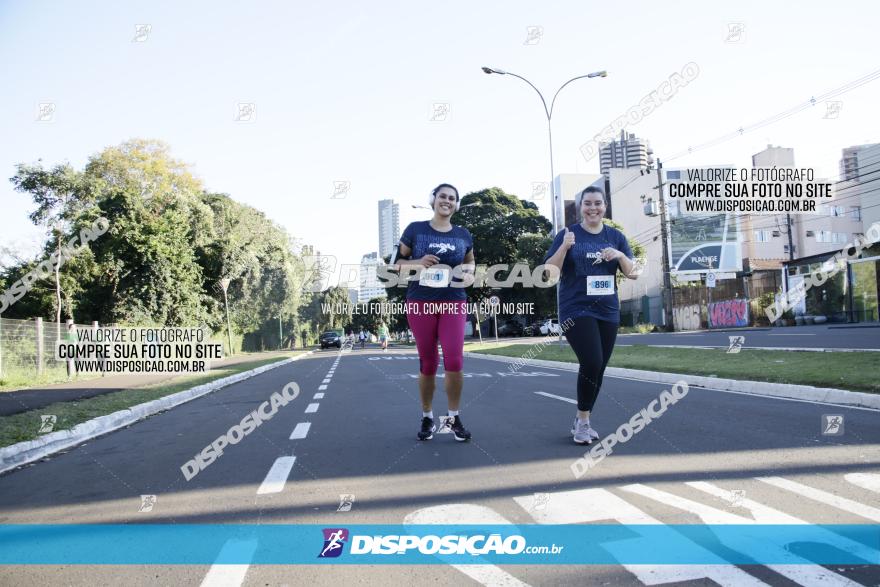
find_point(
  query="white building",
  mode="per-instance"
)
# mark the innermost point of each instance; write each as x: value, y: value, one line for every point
x: 623, y: 153
x: 389, y: 226
x: 370, y: 286
x: 858, y: 190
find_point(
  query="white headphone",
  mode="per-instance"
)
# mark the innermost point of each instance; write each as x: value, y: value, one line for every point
x: 433, y: 196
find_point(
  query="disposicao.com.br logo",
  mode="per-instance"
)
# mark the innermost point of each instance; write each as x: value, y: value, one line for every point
x: 402, y: 544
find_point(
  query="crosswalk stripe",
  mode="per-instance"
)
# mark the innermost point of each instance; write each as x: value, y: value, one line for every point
x: 277, y: 475
x: 841, y: 503
x: 300, y: 431
x: 220, y: 575
x: 869, y: 481
x: 596, y: 505
x: 801, y: 572
x: 484, y: 574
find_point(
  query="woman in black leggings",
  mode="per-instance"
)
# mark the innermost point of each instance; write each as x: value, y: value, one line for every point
x: 589, y: 254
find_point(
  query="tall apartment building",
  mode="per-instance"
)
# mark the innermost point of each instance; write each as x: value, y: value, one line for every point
x: 854, y: 158
x: 370, y: 286
x: 859, y: 172
x: 389, y: 226
x: 623, y: 153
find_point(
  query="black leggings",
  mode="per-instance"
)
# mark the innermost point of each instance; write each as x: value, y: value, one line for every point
x: 592, y: 341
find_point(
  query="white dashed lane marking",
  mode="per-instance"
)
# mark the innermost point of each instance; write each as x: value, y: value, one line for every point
x: 277, y: 475
x: 322, y: 387
x: 318, y: 396
x: 300, y: 431
x: 312, y: 408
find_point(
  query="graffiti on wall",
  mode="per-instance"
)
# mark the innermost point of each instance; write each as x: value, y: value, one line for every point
x: 729, y: 313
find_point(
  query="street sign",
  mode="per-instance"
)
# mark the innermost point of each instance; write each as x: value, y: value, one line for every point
x: 710, y: 279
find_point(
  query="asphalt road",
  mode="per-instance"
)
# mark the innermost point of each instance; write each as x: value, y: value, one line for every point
x: 833, y: 337
x: 714, y: 457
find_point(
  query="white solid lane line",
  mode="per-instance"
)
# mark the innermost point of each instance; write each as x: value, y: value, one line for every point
x: 277, y: 475
x: 318, y: 396
x: 869, y: 481
x: 841, y: 503
x: 322, y: 387
x: 301, y: 430
x: 312, y: 408
x: 559, y: 397
x: 220, y: 575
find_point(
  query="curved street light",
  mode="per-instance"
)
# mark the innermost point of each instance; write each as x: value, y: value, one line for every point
x: 549, y: 113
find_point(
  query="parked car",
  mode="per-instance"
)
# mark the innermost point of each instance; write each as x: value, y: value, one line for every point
x: 510, y: 328
x: 533, y: 329
x: 329, y: 339
x: 550, y: 327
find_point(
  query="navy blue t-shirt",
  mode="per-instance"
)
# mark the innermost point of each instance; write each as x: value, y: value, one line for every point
x: 586, y: 289
x: 451, y: 247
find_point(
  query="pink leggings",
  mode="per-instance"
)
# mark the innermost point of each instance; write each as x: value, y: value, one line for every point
x: 430, y: 326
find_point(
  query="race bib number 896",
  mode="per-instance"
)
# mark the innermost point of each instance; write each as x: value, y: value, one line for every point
x: 600, y: 285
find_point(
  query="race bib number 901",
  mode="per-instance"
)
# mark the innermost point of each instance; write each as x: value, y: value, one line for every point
x: 435, y: 277
x: 600, y: 285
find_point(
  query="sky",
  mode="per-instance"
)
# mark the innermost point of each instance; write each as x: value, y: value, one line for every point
x: 346, y: 92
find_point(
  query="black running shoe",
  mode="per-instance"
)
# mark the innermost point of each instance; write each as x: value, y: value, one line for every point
x: 428, y: 428
x: 459, y: 431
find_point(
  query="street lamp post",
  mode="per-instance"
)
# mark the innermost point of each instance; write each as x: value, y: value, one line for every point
x: 557, y: 213
x: 224, y: 283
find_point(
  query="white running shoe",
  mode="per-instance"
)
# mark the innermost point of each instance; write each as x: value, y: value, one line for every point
x: 581, y: 432
x: 593, y: 434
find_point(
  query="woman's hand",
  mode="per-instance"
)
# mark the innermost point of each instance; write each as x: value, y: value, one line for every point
x: 567, y: 240
x: 610, y: 254
x: 429, y: 260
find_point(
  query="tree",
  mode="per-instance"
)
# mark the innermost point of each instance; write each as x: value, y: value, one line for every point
x: 157, y: 223
x: 54, y: 192
x: 507, y: 230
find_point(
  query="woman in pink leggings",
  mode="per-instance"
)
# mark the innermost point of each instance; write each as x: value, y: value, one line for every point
x: 436, y: 303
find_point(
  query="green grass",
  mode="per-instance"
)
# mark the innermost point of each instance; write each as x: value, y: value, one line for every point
x: 25, y: 426
x: 855, y: 371
x: 19, y: 378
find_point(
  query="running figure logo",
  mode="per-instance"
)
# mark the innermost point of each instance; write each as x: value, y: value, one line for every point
x: 736, y: 343
x: 334, y: 540
x: 832, y: 425
x: 47, y: 423
x: 147, y: 503
x: 346, y: 500
x: 441, y: 248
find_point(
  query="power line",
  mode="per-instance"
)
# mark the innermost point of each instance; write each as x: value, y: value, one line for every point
x: 847, y: 87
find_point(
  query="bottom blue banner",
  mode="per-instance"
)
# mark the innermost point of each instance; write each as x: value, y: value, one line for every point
x: 441, y: 544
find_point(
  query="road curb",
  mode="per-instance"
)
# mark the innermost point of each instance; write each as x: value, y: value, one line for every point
x: 29, y: 451
x: 828, y: 395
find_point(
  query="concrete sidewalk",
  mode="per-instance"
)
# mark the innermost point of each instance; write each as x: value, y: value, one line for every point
x: 23, y: 400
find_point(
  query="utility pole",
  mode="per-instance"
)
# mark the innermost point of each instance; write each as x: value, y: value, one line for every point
x: 667, y: 278
x: 790, y: 243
